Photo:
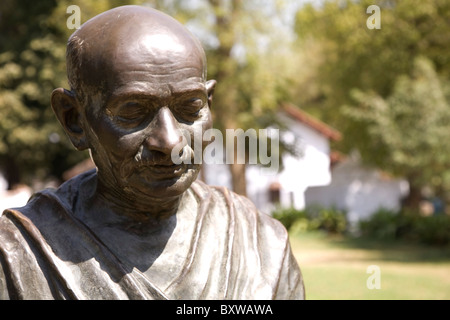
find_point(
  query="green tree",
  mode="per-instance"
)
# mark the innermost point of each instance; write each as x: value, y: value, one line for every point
x: 349, y: 55
x: 32, y: 63
x: 408, y: 130
x: 377, y: 72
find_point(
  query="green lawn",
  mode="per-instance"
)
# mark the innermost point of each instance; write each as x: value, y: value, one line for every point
x: 336, y: 268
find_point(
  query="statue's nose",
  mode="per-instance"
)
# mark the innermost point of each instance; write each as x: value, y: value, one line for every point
x: 164, y: 134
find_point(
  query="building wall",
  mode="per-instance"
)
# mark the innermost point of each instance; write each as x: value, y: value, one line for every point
x: 358, y: 190
x: 309, y: 168
x: 12, y: 198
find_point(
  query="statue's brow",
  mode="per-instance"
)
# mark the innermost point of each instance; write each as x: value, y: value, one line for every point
x: 144, y: 95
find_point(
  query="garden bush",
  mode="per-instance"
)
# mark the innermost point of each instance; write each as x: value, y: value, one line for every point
x: 407, y: 225
x: 383, y: 224
x: 433, y: 230
x: 288, y: 216
x: 330, y: 220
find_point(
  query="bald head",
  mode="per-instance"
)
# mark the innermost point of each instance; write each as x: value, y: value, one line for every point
x: 138, y: 92
x: 132, y: 39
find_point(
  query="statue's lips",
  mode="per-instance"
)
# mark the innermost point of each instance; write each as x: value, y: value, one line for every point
x: 163, y: 171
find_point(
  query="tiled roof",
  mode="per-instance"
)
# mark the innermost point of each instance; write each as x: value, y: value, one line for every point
x: 304, y: 117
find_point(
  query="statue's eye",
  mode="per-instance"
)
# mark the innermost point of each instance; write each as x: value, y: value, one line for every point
x: 131, y: 113
x: 189, y: 110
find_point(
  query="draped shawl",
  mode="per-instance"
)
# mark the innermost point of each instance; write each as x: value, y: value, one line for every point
x: 235, y: 252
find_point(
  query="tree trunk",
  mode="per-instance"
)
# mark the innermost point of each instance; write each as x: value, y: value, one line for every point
x: 239, y: 182
x: 413, y: 199
x: 226, y: 110
x: 237, y: 168
x: 12, y: 172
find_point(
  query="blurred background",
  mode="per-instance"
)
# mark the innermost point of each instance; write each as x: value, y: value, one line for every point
x: 361, y: 96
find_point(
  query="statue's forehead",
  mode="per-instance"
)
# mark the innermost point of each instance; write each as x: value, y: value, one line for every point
x: 136, y: 27
x: 155, y: 58
x: 119, y: 48
x: 133, y: 40
x: 159, y: 49
x: 161, y: 43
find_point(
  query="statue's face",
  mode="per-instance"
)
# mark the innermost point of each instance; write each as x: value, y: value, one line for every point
x: 154, y: 95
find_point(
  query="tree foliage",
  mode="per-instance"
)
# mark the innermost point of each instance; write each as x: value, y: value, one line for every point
x: 408, y: 130
x: 31, y: 66
x: 385, y: 89
x: 33, y: 38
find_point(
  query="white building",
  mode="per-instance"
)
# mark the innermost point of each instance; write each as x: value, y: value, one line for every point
x: 17, y: 197
x: 287, y: 186
x: 358, y: 190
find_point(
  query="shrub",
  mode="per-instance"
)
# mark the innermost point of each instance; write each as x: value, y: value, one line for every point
x: 383, y: 224
x: 434, y: 230
x: 330, y: 220
x: 287, y: 216
x: 407, y: 225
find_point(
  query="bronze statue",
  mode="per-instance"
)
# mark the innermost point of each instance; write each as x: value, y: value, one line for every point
x: 140, y: 226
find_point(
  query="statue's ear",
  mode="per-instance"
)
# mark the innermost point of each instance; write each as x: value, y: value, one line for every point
x: 68, y: 111
x: 210, y: 86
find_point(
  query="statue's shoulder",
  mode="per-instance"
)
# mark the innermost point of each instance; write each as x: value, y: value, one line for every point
x: 30, y: 237
x: 260, y: 241
x: 43, y: 216
x: 48, y: 202
x: 241, y: 208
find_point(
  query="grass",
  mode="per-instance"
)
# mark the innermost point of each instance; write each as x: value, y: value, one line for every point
x: 335, y: 268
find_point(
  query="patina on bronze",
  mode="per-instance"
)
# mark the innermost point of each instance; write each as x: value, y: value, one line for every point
x: 139, y: 226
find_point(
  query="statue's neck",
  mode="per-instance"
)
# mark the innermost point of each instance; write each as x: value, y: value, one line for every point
x: 135, y: 206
